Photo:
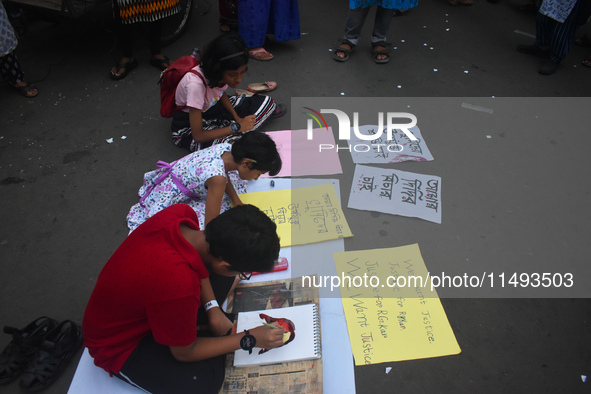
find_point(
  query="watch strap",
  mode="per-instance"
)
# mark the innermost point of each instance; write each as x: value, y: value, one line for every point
x: 247, y: 342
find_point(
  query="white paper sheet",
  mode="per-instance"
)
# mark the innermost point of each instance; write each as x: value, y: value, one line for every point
x: 381, y: 150
x: 396, y: 192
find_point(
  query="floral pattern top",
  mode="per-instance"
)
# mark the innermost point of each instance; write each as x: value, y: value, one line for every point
x: 192, y: 171
x: 8, y: 41
x: 558, y: 10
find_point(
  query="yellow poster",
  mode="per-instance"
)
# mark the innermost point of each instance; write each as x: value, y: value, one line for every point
x: 391, y: 311
x: 303, y: 215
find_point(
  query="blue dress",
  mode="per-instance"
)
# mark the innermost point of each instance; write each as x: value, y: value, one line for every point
x: 257, y: 18
x: 390, y: 4
x: 8, y: 39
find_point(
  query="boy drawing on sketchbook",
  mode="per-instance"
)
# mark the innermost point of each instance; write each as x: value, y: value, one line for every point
x: 140, y: 324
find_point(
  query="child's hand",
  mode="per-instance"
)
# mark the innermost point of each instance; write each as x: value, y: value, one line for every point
x: 247, y: 123
x: 268, y: 337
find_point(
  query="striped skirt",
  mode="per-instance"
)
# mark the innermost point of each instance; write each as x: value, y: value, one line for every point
x: 262, y: 107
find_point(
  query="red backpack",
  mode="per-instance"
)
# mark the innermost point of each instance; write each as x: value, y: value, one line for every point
x: 169, y: 80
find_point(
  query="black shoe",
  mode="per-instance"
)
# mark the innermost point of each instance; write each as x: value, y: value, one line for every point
x: 280, y: 110
x: 52, y: 356
x: 19, y: 353
x: 533, y: 50
x: 548, y: 68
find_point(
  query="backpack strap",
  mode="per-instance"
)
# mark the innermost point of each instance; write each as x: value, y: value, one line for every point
x: 167, y: 171
x: 176, y: 108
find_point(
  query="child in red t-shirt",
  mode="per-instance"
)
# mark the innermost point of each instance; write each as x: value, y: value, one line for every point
x: 141, y: 320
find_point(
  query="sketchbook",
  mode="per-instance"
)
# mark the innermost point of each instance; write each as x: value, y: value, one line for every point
x: 304, y: 346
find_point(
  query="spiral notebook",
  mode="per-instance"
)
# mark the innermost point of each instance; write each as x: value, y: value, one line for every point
x: 305, y: 345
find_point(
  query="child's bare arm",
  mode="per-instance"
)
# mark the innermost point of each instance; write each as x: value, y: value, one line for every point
x: 231, y: 192
x: 216, y: 186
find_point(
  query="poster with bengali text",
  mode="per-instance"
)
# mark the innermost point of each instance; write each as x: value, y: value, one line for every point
x: 381, y: 149
x: 391, y: 311
x: 396, y: 192
x: 303, y: 215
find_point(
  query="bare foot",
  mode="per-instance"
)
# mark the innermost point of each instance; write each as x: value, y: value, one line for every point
x: 341, y: 54
x: 380, y: 56
x: 26, y: 90
x: 117, y: 72
x: 260, y: 53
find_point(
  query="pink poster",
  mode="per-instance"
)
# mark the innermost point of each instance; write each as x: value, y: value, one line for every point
x: 307, y: 157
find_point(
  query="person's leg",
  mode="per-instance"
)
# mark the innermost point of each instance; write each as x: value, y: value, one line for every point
x: 541, y: 45
x: 354, y: 23
x: 10, y: 69
x: 381, y: 24
x: 152, y: 367
x: 123, y: 33
x: 284, y: 21
x: 544, y: 28
x: 253, y: 24
x: 563, y: 35
x: 353, y: 26
x: 154, y: 34
x: 262, y: 107
x: 228, y: 14
x: 158, y: 60
x: 561, y: 39
x: 12, y: 73
x: 380, y: 31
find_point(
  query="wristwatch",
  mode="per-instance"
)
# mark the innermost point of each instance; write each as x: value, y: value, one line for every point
x: 234, y: 127
x: 247, y: 342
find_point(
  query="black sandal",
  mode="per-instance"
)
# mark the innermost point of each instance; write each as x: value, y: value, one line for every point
x: 376, y: 52
x: 53, y: 355
x: 280, y: 110
x: 127, y: 67
x: 161, y: 64
x: 26, y: 90
x: 339, y: 48
x: 21, y: 350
